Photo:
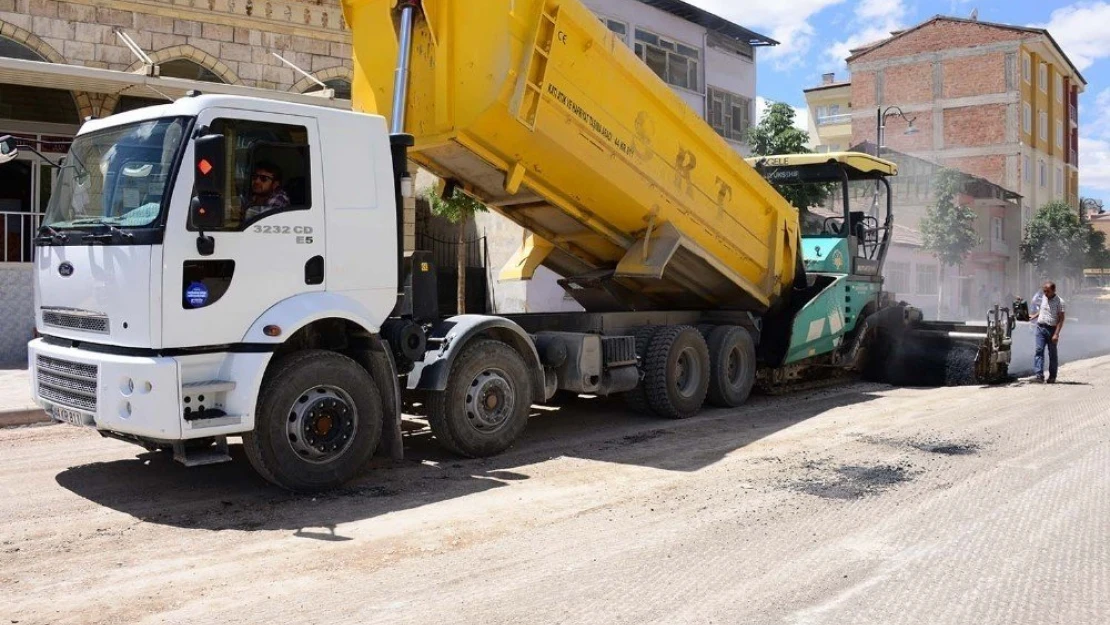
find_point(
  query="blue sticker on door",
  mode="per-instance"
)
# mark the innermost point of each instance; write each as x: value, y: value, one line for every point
x: 197, y: 295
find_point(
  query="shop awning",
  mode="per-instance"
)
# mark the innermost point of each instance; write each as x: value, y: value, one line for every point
x: 96, y: 80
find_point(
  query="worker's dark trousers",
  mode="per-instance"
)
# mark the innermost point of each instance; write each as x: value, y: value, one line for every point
x: 1044, y: 339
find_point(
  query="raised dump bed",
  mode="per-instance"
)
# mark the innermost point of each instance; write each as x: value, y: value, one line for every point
x: 534, y: 107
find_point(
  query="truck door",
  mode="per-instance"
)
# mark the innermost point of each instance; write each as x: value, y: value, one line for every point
x: 270, y: 246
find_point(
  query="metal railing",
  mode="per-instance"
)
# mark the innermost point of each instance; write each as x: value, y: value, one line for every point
x: 17, y: 232
x: 445, y: 252
x: 831, y: 120
x: 1073, y: 113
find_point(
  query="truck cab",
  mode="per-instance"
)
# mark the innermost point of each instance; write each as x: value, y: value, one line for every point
x: 186, y: 243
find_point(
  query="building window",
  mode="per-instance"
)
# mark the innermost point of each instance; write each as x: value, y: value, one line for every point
x: 1028, y: 170
x: 897, y: 277
x: 1042, y: 125
x: 1059, y: 179
x: 618, y: 27
x: 1027, y: 117
x: 732, y: 46
x: 676, y: 63
x: 1059, y: 134
x: 1027, y: 67
x: 1059, y: 88
x: 729, y: 114
x: 1042, y: 77
x: 926, y: 279
x: 997, y: 229
x: 1043, y: 171
x: 828, y: 115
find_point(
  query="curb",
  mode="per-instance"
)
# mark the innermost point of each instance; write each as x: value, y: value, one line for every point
x: 29, y: 416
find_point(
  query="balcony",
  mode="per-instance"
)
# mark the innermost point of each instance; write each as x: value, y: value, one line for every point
x: 833, y: 120
x: 1073, y: 114
x: 1073, y: 158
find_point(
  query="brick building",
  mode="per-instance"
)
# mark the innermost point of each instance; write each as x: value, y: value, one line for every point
x: 995, y: 101
x: 61, y: 62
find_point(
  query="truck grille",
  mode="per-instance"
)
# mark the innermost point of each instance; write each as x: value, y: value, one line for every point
x: 619, y: 351
x: 70, y: 384
x: 74, y: 319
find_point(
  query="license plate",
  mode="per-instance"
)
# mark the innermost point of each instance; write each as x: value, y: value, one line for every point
x: 72, y: 417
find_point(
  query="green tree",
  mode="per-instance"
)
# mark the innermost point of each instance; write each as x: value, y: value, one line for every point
x: 775, y: 134
x: 1057, y: 241
x: 1098, y: 257
x: 948, y: 228
x: 458, y: 209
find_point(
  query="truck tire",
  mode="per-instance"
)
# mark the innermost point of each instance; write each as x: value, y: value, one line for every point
x: 676, y: 377
x: 731, y: 366
x: 487, y: 401
x: 636, y: 399
x: 318, y: 422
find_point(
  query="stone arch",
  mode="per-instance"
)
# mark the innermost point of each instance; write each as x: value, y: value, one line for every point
x: 339, y: 72
x: 183, y: 52
x: 16, y: 42
x: 31, y: 41
x: 187, y: 52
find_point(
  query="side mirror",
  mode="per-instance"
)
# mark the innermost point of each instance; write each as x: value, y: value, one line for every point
x: 8, y: 149
x: 209, y: 156
x: 206, y: 211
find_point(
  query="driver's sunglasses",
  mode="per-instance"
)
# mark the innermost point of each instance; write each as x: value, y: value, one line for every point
x: 262, y: 177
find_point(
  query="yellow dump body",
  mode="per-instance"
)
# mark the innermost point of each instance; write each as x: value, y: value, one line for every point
x: 535, y: 108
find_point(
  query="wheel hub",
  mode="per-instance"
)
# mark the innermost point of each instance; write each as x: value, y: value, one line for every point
x: 322, y: 424
x: 688, y: 373
x: 490, y: 401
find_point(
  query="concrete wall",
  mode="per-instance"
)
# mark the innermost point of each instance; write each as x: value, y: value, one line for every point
x: 540, y: 294
x: 17, y: 314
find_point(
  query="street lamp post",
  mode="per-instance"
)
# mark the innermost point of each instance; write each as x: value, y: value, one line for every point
x: 880, y: 125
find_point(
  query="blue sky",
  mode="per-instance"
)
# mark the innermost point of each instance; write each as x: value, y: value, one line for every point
x: 816, y: 35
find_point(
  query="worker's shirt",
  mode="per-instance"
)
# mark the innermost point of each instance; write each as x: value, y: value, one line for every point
x: 1049, y: 310
x: 277, y: 200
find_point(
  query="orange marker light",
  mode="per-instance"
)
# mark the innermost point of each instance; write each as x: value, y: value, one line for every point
x: 204, y: 166
x: 271, y: 331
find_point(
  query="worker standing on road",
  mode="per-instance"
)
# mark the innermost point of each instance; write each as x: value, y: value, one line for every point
x: 1048, y: 312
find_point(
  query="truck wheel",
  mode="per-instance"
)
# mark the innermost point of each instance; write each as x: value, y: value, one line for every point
x: 486, y: 404
x: 732, y: 366
x: 636, y: 399
x: 319, y: 421
x: 677, y: 372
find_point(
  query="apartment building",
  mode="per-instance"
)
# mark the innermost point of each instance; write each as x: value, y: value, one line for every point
x: 830, y: 114
x: 707, y: 60
x: 996, y: 101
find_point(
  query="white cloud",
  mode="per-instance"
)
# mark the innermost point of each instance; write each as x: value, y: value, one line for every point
x: 1081, y: 31
x: 1094, y: 164
x: 1094, y: 145
x: 875, y: 20
x: 787, y: 21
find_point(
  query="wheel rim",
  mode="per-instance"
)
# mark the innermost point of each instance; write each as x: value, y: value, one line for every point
x: 490, y: 401
x: 733, y: 366
x: 687, y: 373
x: 322, y: 424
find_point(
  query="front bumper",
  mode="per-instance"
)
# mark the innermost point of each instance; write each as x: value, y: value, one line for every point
x: 133, y: 395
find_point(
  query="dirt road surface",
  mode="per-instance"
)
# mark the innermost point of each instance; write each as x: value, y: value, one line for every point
x: 862, y: 504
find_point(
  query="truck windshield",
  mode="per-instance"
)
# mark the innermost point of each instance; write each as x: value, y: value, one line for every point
x: 117, y: 176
